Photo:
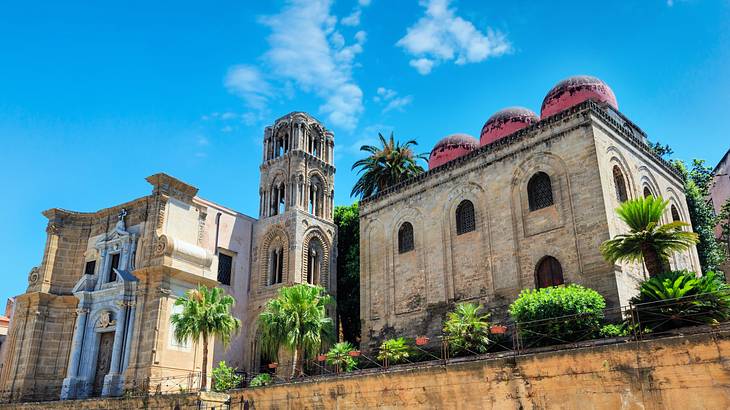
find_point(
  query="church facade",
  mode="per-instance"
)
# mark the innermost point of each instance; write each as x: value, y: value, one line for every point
x: 95, y: 318
x: 525, y: 206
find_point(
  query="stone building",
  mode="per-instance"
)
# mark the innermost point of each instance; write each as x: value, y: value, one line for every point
x: 95, y: 318
x: 525, y: 206
x: 719, y: 195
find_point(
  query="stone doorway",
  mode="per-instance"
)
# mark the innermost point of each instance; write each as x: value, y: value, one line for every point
x: 103, y: 361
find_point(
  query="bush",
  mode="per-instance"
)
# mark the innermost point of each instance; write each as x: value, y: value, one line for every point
x: 560, y: 314
x: 467, y: 330
x: 680, y: 298
x: 339, y: 355
x: 394, y: 350
x: 225, y: 378
x: 263, y: 379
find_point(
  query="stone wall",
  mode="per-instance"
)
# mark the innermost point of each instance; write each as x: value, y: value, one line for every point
x: 682, y: 372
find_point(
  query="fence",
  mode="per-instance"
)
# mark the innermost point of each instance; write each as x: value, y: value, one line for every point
x: 703, y: 313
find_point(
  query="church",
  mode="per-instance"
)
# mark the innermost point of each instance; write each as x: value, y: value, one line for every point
x: 526, y: 205
x: 95, y: 318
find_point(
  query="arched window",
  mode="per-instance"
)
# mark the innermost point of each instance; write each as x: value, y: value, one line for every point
x: 405, y: 238
x: 315, y: 252
x: 675, y: 214
x: 548, y: 273
x: 647, y: 192
x: 539, y: 191
x: 316, y: 195
x: 276, y: 266
x: 620, y: 184
x: 465, y: 217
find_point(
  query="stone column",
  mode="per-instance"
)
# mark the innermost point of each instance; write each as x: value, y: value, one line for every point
x: 118, y: 340
x: 77, y: 342
x: 128, y: 338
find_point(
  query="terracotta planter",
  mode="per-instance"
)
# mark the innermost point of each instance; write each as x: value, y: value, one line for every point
x: 422, y: 340
x: 321, y: 357
x: 273, y: 365
x: 354, y: 353
x: 498, y: 329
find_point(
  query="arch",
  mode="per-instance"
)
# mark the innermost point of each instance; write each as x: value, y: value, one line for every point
x: 619, y: 183
x: 465, y: 218
x: 539, y: 191
x: 315, y: 199
x: 405, y: 238
x: 548, y: 272
x: 647, y: 192
x: 316, y: 258
x: 274, y: 257
x: 675, y: 214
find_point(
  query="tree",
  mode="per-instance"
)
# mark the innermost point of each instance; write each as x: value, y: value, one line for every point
x: 647, y: 240
x: 297, y: 321
x: 697, y: 183
x: 225, y: 378
x: 347, y: 219
x: 663, y: 151
x: 339, y: 356
x: 467, y: 329
x: 205, y: 312
x: 386, y: 166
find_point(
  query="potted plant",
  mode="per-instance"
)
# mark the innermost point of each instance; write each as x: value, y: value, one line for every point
x: 273, y: 365
x: 498, y: 329
x: 354, y: 353
x: 422, y: 340
x: 321, y: 357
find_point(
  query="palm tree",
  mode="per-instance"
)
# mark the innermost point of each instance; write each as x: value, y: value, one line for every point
x: 647, y: 239
x: 386, y: 166
x: 467, y: 329
x: 205, y: 313
x: 297, y: 321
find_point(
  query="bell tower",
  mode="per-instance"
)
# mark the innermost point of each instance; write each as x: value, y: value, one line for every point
x: 295, y: 237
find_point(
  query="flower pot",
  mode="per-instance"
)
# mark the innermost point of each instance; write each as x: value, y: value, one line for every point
x: 422, y: 340
x: 273, y: 365
x: 321, y: 357
x: 498, y: 329
x: 354, y: 353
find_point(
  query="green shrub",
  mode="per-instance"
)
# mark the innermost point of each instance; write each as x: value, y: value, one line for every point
x: 394, y: 350
x: 466, y: 329
x: 560, y: 314
x: 614, y: 330
x: 263, y: 379
x: 680, y: 298
x: 339, y: 355
x: 225, y: 378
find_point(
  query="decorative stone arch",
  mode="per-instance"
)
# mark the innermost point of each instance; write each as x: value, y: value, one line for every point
x: 617, y: 159
x: 276, y: 235
x: 312, y: 233
x: 474, y: 192
x: 674, y: 201
x: 318, y: 198
x: 648, y: 181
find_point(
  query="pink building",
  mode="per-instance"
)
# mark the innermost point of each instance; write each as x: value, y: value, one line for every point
x: 720, y: 192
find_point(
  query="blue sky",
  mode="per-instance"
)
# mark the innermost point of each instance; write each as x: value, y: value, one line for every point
x: 95, y: 96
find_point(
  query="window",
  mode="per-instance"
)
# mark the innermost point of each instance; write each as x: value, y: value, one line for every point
x: 185, y: 344
x: 112, y: 275
x: 548, y: 273
x: 675, y: 214
x: 276, y: 266
x: 647, y: 192
x: 90, y: 268
x: 620, y: 184
x: 465, y: 217
x: 314, y: 261
x: 225, y: 266
x: 405, y: 238
x: 539, y: 191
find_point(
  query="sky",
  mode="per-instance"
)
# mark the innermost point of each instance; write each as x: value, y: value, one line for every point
x: 95, y: 96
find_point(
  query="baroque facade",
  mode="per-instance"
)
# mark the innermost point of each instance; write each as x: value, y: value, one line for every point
x: 526, y: 206
x: 95, y: 318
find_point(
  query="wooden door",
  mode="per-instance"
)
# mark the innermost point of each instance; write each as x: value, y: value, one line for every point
x: 103, y: 361
x: 549, y: 273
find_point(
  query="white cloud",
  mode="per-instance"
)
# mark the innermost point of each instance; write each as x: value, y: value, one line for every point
x: 353, y: 19
x: 391, y: 100
x: 364, y: 3
x: 248, y: 83
x: 306, y: 53
x: 440, y: 35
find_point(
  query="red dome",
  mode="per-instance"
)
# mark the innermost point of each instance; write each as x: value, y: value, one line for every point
x: 505, y: 122
x: 575, y: 90
x: 450, y: 148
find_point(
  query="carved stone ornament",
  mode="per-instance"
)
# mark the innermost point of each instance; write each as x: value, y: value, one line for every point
x: 33, y: 276
x: 105, y: 320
